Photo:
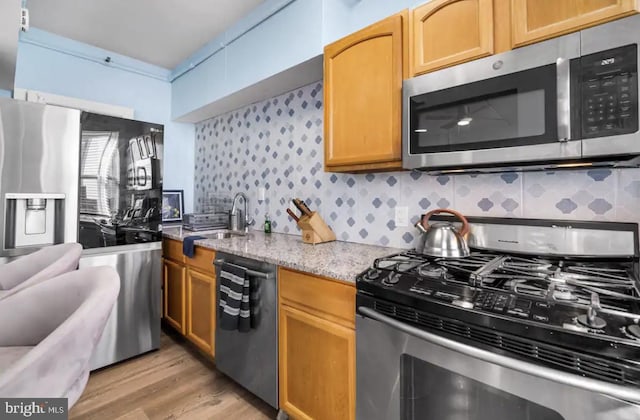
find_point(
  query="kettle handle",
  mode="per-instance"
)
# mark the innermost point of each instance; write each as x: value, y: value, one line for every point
x: 465, y: 224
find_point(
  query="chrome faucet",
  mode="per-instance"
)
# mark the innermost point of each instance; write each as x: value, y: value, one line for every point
x: 248, y: 221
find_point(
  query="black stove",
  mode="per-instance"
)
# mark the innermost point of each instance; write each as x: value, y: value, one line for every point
x: 576, y: 313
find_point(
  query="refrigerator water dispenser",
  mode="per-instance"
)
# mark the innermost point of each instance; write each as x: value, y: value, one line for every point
x: 33, y: 220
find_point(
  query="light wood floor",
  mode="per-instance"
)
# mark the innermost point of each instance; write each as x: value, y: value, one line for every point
x: 174, y: 382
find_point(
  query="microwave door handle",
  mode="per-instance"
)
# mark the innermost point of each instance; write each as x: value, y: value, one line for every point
x: 563, y: 86
x: 626, y: 393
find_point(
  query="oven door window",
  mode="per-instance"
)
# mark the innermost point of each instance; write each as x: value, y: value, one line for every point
x: 517, y: 109
x: 428, y: 391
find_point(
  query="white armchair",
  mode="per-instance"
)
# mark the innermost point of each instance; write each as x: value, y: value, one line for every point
x: 49, y: 331
x: 38, y: 266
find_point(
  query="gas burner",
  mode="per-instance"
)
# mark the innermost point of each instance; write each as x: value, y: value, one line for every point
x: 632, y: 331
x: 432, y: 271
x: 564, y: 294
x: 526, y: 287
x: 400, y: 262
x: 595, y: 322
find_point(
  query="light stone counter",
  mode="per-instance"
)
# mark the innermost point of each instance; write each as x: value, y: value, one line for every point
x: 337, y: 260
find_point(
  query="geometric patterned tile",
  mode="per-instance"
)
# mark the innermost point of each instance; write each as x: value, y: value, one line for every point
x: 277, y: 144
x: 573, y: 194
x: 498, y: 195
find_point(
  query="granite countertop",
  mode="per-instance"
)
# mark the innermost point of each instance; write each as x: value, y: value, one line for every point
x: 337, y: 260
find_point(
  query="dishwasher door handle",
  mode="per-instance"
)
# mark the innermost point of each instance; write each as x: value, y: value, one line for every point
x: 252, y: 273
x: 617, y: 391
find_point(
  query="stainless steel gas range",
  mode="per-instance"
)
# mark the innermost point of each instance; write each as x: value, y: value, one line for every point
x: 539, y: 322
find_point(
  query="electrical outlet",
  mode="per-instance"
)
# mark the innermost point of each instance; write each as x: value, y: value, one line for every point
x: 261, y: 194
x: 402, y: 216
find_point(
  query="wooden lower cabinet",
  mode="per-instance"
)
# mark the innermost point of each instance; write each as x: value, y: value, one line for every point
x: 317, y: 367
x: 201, y: 310
x: 190, y: 294
x: 316, y: 347
x: 174, y: 294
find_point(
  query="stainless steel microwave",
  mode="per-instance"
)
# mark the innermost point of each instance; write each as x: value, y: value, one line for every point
x: 569, y: 101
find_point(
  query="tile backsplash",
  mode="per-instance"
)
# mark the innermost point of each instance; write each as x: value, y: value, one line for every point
x: 277, y: 144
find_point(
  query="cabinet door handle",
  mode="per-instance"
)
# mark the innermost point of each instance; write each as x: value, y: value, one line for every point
x: 563, y: 87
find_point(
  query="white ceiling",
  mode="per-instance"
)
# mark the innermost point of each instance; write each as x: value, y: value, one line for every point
x: 160, y: 32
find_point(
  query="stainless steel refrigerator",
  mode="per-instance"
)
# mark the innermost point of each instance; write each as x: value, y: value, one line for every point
x: 71, y: 176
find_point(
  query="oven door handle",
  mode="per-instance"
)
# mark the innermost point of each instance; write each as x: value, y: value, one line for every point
x: 616, y: 391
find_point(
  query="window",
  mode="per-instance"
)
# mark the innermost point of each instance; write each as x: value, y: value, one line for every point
x: 99, y: 173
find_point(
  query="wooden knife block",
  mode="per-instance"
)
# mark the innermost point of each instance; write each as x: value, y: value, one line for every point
x: 315, y: 230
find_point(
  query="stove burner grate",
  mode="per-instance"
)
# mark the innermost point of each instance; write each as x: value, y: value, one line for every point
x: 569, y: 281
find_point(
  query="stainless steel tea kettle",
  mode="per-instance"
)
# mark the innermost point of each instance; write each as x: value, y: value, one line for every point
x: 442, y: 239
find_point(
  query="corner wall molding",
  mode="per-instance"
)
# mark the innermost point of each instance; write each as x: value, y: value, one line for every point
x: 44, y: 39
x: 245, y: 25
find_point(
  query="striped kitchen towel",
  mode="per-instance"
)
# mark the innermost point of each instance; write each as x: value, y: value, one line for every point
x: 235, y: 313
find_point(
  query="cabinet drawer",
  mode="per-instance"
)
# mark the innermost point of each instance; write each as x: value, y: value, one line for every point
x: 202, y: 260
x: 327, y: 298
x: 172, y: 249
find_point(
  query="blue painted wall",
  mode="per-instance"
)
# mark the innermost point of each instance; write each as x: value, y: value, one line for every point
x: 343, y: 17
x: 276, y: 36
x: 5, y: 93
x: 53, y: 64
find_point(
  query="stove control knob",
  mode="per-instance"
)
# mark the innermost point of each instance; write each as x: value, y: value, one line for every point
x: 393, y: 278
x: 591, y: 319
x: 372, y: 274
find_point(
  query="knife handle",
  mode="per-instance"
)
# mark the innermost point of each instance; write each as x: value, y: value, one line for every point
x: 302, y: 206
x: 293, y: 215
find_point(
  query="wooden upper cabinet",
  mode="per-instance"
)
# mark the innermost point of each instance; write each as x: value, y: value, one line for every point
x: 449, y: 32
x: 537, y: 20
x: 363, y: 97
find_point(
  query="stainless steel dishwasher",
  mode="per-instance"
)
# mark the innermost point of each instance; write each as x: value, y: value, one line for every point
x: 251, y: 358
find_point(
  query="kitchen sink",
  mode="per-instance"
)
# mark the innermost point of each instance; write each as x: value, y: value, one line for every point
x: 223, y: 234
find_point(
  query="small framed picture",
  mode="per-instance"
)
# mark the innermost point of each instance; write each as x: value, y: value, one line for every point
x: 172, y: 205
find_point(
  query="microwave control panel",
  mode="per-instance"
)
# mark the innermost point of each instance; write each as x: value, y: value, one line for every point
x: 608, y: 83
